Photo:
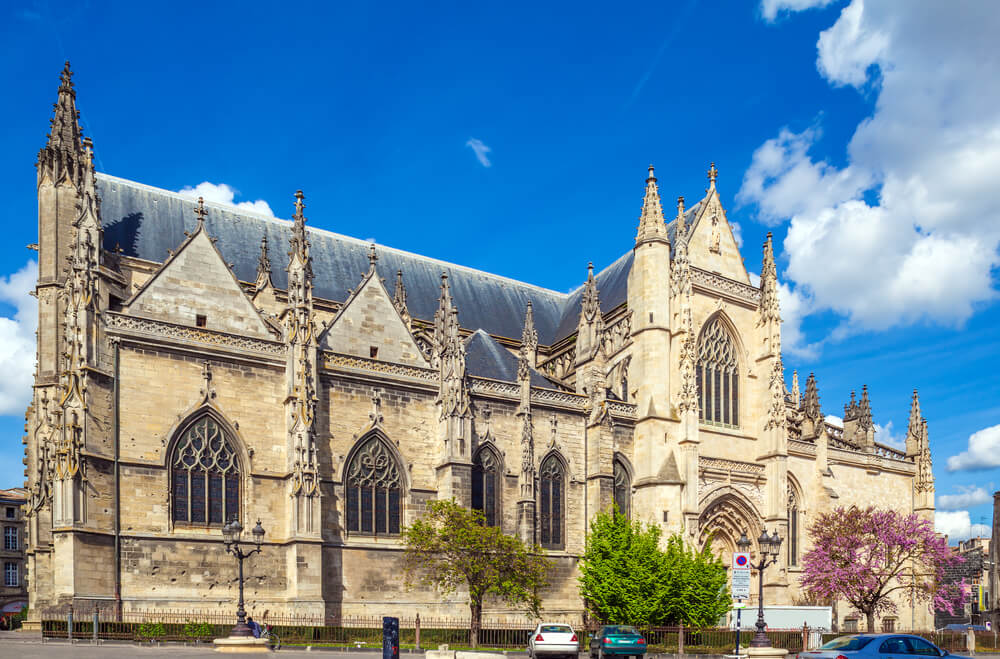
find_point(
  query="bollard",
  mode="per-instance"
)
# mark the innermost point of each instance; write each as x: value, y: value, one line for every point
x: 416, y: 632
x: 69, y: 625
x: 680, y: 639
x: 97, y: 623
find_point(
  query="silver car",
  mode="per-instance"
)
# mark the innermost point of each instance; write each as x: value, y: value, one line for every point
x: 553, y: 639
x: 877, y: 646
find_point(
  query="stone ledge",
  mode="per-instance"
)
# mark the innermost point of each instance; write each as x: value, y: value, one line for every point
x: 242, y: 645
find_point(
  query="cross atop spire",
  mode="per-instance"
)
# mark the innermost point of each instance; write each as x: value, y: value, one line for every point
x: 372, y: 256
x: 651, y: 226
x: 713, y: 173
x: 263, y: 264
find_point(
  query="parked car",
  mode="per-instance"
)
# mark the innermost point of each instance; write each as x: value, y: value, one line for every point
x: 876, y: 646
x: 617, y: 641
x: 962, y: 627
x: 553, y: 639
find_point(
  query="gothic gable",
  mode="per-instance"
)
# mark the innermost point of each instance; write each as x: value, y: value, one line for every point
x: 369, y: 326
x: 195, y: 287
x: 712, y: 245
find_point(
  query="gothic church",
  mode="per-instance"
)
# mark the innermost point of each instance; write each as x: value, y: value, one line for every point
x: 199, y: 363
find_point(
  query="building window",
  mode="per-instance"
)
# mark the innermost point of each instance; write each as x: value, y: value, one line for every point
x: 205, y: 475
x: 374, y: 490
x: 11, y: 512
x: 11, y: 574
x: 717, y: 373
x: 486, y: 473
x: 793, y: 528
x: 550, y: 503
x: 851, y: 625
x: 10, y: 538
x: 623, y: 489
x: 889, y: 625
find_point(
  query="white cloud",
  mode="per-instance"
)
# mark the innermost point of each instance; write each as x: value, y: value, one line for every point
x: 908, y: 229
x: 957, y: 525
x: 970, y: 496
x: 221, y: 193
x: 883, y: 435
x: 983, y: 451
x: 834, y: 420
x: 770, y: 9
x: 480, y: 150
x: 737, y: 232
x: 17, y: 339
x: 794, y: 307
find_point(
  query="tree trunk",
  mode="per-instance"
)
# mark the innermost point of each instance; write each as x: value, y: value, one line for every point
x: 477, y: 616
x: 870, y: 616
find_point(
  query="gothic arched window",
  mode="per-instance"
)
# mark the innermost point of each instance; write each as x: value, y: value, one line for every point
x: 717, y: 373
x: 204, y: 475
x: 793, y: 528
x: 551, y: 482
x: 486, y: 473
x: 623, y: 489
x: 374, y: 488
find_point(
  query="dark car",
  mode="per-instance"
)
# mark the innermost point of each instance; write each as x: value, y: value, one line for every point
x: 876, y: 646
x: 617, y: 641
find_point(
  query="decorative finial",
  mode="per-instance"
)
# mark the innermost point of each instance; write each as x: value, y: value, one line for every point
x: 372, y: 256
x: 712, y: 174
x: 680, y: 206
x: 200, y: 211
x: 67, y: 78
x: 299, y: 205
x: 651, y: 177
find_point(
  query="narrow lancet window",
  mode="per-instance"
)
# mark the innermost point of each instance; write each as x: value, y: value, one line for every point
x: 374, y: 490
x: 717, y: 375
x: 551, y: 482
x: 205, y: 475
x: 486, y: 485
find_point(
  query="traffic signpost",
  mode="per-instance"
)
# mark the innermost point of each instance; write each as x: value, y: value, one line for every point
x: 740, y: 589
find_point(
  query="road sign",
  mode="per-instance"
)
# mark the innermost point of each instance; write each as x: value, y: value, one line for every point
x: 739, y: 605
x: 741, y: 575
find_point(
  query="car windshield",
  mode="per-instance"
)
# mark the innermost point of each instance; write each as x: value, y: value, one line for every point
x: 620, y: 629
x: 556, y: 629
x: 847, y: 643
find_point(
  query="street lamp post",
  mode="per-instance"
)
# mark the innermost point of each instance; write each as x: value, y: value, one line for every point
x: 769, y: 546
x: 231, y: 536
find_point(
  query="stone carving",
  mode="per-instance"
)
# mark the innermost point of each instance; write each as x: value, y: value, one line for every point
x: 688, y: 396
x: 156, y: 328
x: 769, y: 313
x: 717, y: 284
x: 617, y: 336
x: 263, y: 266
x: 730, y: 465
x: 651, y: 225
x: 776, y: 391
x: 399, y: 300
x: 561, y: 366
x: 374, y: 467
x: 680, y: 266
x: 528, y: 352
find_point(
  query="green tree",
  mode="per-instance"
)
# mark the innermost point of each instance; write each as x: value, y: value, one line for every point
x: 626, y: 578
x: 452, y: 546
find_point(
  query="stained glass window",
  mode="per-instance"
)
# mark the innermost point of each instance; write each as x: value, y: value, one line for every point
x: 486, y: 474
x: 623, y: 489
x: 793, y: 528
x: 373, y: 490
x: 550, y: 503
x: 205, y: 476
x: 717, y: 375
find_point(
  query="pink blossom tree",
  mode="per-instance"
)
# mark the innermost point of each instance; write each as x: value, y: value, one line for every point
x: 866, y: 555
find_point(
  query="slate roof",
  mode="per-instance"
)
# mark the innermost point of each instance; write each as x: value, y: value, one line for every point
x: 486, y: 358
x: 145, y: 222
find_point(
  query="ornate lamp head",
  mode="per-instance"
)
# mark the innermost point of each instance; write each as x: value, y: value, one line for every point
x: 227, y: 534
x: 258, y: 534
x: 775, y: 544
x: 743, y: 544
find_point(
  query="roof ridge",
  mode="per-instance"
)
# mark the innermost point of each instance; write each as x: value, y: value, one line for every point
x: 242, y: 211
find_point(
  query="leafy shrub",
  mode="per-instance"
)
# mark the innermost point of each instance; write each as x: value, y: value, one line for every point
x: 151, y: 630
x: 197, y: 629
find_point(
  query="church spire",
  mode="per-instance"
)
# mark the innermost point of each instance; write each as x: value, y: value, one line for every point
x: 399, y: 299
x: 915, y: 427
x: 63, y: 154
x: 528, y: 353
x: 651, y: 226
x: 263, y: 265
x: 811, y: 408
x: 300, y: 273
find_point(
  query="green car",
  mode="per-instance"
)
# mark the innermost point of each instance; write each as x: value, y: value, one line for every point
x: 617, y: 641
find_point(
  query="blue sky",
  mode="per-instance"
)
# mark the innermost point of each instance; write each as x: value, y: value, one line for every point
x: 514, y: 138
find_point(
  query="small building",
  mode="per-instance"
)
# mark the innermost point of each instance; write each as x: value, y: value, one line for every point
x: 14, y: 591
x: 974, y: 571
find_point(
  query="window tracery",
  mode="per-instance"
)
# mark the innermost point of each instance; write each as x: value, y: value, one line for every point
x: 717, y: 375
x: 486, y: 472
x: 374, y: 489
x: 205, y: 475
x: 550, y: 503
x: 793, y: 528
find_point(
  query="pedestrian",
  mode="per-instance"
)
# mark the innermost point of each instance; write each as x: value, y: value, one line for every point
x: 254, y: 627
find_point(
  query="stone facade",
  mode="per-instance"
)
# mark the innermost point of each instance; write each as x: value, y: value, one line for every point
x: 13, y: 589
x: 187, y: 376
